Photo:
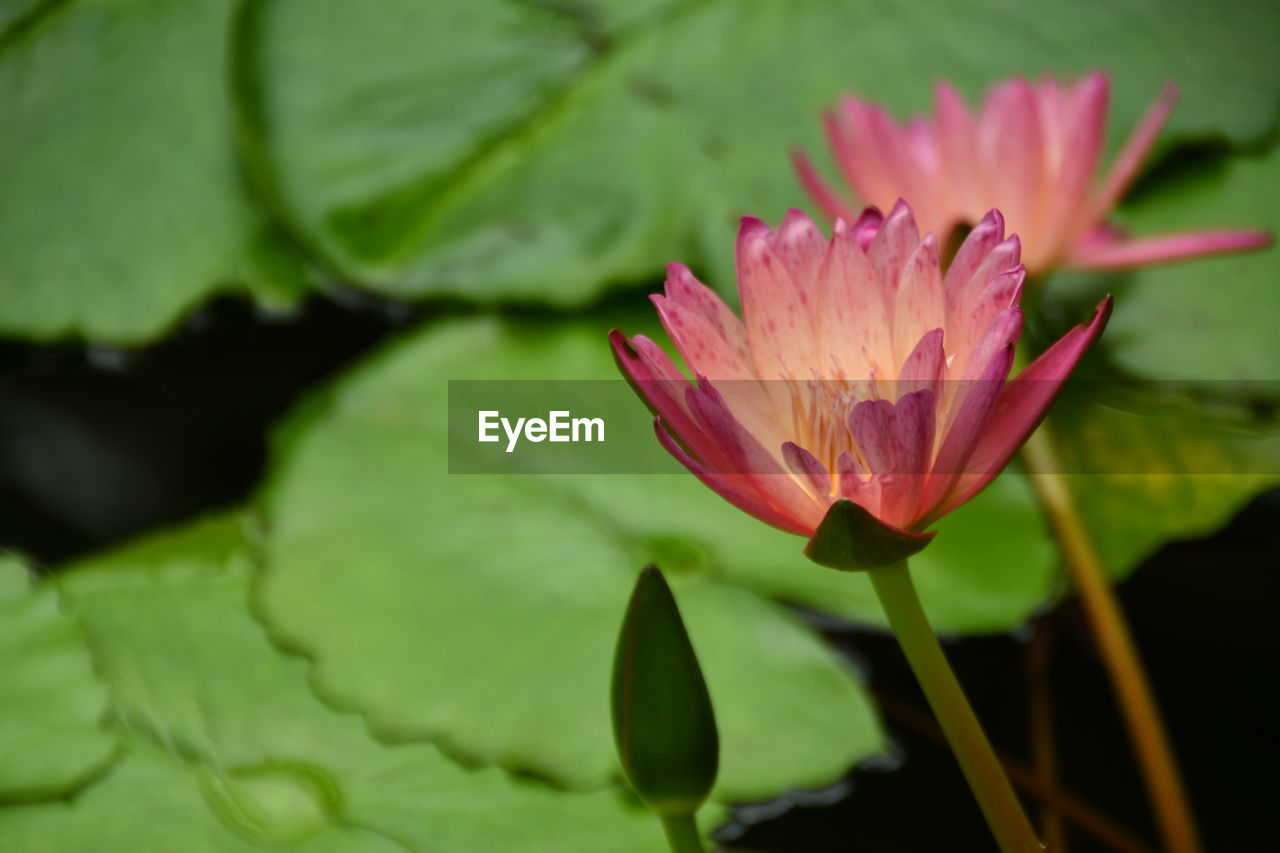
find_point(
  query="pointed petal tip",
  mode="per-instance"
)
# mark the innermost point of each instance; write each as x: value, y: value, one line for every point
x: 1014, y: 242
x: 751, y: 227
x: 1095, y: 84
x: 1102, y: 314
x: 942, y: 87
x: 621, y: 344
x: 900, y: 209
x: 994, y: 220
x: 794, y: 216
x: 871, y: 217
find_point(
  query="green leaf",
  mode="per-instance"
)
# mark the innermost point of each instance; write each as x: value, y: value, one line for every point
x: 663, y: 722
x: 853, y: 540
x: 123, y: 204
x: 228, y: 749
x: 1209, y: 321
x: 376, y: 554
x: 153, y: 802
x: 989, y: 568
x: 50, y: 701
x: 1166, y: 467
x: 17, y: 13
x: 444, y: 86
x: 1192, y: 436
x: 559, y: 169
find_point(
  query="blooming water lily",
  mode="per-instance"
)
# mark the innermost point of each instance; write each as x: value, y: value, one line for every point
x: 1031, y: 152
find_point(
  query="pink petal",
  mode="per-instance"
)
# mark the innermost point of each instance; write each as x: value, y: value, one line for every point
x: 1084, y: 135
x: 1011, y: 145
x: 1003, y: 328
x: 801, y: 246
x: 732, y: 488
x: 779, y: 331
x: 894, y: 146
x: 979, y: 243
x: 805, y: 464
x: 925, y: 367
x: 913, y: 432
x: 871, y: 422
x: 1129, y: 161
x: 700, y: 343
x: 962, y: 294
x: 1107, y: 253
x: 853, y: 325
x: 912, y: 440
x: 977, y: 401
x: 1024, y: 402
x: 662, y: 387
x: 831, y: 205
x: 864, y: 228
x: 856, y: 486
x: 1003, y: 291
x: 922, y: 149
x: 745, y: 455
x: 921, y: 304
x: 893, y: 245
x: 683, y: 289
x: 1052, y: 113
x: 958, y: 140
x: 860, y: 158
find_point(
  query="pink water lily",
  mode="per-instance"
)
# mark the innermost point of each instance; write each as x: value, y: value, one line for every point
x: 1031, y: 152
x: 859, y: 370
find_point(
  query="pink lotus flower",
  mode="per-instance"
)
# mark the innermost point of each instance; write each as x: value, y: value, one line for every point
x: 859, y: 370
x: 1031, y: 153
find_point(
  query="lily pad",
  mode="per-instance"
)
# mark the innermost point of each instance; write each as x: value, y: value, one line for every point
x: 227, y: 748
x: 1161, y: 467
x: 51, y: 704
x: 608, y: 165
x: 478, y: 584
x: 17, y: 12
x: 1209, y: 322
x: 123, y: 202
x: 1180, y: 430
x: 527, y: 576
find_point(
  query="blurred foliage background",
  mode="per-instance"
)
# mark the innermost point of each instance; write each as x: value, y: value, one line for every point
x: 243, y: 247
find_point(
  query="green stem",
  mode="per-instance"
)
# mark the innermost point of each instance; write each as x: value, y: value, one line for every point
x: 682, y: 833
x: 981, y: 768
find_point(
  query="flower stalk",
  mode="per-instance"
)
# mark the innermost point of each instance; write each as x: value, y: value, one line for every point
x: 682, y: 834
x: 982, y: 770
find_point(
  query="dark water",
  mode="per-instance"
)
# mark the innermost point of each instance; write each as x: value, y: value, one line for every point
x: 97, y: 445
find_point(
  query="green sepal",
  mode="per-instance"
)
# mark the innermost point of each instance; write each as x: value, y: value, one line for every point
x: 663, y: 722
x: 853, y: 540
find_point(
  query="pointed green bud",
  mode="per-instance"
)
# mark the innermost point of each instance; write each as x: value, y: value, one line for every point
x: 853, y: 540
x: 663, y: 721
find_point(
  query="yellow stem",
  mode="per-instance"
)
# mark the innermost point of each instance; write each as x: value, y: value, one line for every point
x: 1119, y: 654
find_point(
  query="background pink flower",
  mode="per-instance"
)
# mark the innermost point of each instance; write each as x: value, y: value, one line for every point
x: 1031, y: 152
x: 859, y: 370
